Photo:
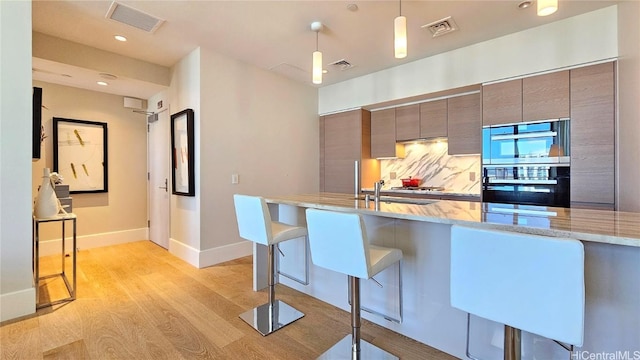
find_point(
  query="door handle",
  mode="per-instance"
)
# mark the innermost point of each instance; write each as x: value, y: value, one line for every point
x: 165, y: 187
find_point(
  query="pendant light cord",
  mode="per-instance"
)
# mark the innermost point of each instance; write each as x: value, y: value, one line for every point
x: 400, y: 7
x: 317, y: 40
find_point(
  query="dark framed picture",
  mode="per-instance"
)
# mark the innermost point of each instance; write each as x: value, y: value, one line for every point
x: 80, y: 154
x: 182, y: 146
x: 38, y: 135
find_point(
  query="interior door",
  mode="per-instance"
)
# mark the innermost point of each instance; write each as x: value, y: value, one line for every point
x: 159, y: 196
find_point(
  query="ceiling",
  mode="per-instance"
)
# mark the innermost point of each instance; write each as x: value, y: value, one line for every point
x: 276, y: 35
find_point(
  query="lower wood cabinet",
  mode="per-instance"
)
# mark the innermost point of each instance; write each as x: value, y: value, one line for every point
x: 593, y: 135
x: 464, y: 124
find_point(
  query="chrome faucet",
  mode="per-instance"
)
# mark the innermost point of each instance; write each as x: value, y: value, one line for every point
x: 377, y: 186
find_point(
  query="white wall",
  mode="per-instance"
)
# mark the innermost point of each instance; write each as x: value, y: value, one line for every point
x: 184, y: 93
x: 17, y: 295
x: 628, y: 196
x: 120, y: 213
x: 250, y: 122
x: 259, y: 125
x: 580, y: 39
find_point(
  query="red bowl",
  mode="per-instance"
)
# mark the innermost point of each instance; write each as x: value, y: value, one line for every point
x: 411, y: 182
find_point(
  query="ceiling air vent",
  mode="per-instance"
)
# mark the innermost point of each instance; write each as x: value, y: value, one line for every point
x: 133, y: 17
x: 442, y: 26
x: 342, y: 64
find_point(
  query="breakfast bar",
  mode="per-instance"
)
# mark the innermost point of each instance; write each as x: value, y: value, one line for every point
x: 422, y: 230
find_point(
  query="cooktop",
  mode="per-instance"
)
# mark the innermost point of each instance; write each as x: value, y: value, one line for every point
x: 423, y: 188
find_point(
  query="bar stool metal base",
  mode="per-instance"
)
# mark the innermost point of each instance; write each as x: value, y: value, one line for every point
x: 342, y: 349
x: 268, y: 318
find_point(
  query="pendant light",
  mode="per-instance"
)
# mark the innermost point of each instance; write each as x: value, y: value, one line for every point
x: 400, y: 35
x: 547, y: 7
x: 316, y: 71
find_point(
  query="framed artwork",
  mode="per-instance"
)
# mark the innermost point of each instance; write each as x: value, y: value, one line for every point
x: 38, y: 131
x: 182, y: 151
x: 80, y: 154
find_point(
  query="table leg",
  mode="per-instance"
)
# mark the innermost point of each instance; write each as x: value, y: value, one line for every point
x: 36, y: 259
x: 75, y: 255
x: 63, y: 244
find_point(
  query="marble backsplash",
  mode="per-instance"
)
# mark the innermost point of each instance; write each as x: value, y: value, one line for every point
x: 430, y: 162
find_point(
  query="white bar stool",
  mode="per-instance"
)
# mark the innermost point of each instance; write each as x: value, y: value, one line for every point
x: 527, y: 282
x: 254, y: 224
x: 338, y: 242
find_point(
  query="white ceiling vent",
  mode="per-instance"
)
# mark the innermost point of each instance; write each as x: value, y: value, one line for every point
x: 133, y: 17
x: 342, y: 64
x: 442, y: 26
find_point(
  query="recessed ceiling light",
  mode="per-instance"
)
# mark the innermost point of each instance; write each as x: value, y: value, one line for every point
x: 324, y: 71
x: 107, y: 76
x: 524, y: 4
x: 352, y: 7
x: 102, y: 83
x: 120, y: 38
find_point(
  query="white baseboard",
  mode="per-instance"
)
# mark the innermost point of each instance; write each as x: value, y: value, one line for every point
x: 209, y: 257
x: 16, y: 304
x: 184, y: 252
x: 221, y: 254
x: 53, y: 247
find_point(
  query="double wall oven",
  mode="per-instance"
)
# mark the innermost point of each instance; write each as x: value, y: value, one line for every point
x: 527, y: 163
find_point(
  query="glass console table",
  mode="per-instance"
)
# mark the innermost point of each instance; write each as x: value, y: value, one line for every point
x: 71, y: 288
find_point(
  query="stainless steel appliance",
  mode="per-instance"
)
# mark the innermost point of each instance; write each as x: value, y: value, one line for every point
x: 539, y: 142
x: 527, y: 163
x: 546, y: 185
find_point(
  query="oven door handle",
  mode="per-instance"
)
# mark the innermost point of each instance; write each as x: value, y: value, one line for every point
x: 524, y: 136
x: 522, y: 181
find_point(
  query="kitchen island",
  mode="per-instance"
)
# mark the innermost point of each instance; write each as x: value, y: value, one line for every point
x: 612, y: 269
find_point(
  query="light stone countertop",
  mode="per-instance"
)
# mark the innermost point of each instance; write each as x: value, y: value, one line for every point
x: 602, y: 226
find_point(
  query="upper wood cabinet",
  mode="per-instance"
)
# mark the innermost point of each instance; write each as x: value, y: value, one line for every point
x: 433, y: 119
x: 537, y: 97
x: 346, y: 138
x: 464, y: 124
x: 546, y: 96
x: 592, y: 135
x: 383, y: 135
x: 408, y: 122
x: 502, y: 103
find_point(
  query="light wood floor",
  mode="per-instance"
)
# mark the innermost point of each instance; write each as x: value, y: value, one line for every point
x: 136, y: 301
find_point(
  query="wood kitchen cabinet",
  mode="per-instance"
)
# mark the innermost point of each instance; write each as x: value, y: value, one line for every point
x: 464, y: 124
x: 383, y: 135
x: 546, y: 96
x: 433, y: 119
x: 345, y: 138
x: 408, y: 122
x: 502, y: 103
x: 533, y: 98
x: 592, y: 135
